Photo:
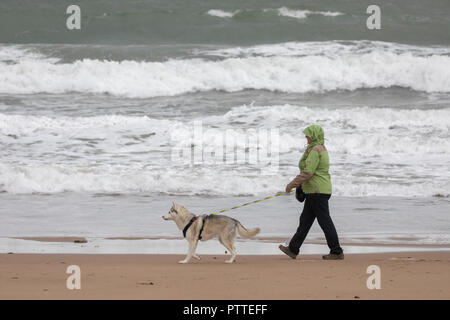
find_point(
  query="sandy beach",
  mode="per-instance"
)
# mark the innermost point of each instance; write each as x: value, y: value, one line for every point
x: 127, y: 276
x: 114, y: 113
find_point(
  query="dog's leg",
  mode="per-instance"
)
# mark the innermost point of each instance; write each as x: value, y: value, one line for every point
x: 228, y: 243
x: 233, y: 253
x: 191, y: 252
x: 196, y: 257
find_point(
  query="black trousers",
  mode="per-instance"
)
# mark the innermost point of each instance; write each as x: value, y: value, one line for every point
x: 316, y: 206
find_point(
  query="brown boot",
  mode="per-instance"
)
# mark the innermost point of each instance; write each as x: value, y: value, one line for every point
x: 333, y: 256
x: 287, y: 251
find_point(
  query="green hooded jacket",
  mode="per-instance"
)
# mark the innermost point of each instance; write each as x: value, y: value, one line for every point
x: 315, y: 161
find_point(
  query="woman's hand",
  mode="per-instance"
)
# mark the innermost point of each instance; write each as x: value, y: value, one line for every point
x: 288, y: 189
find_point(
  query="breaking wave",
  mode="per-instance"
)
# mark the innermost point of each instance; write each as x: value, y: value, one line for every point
x: 314, y: 73
x: 374, y: 151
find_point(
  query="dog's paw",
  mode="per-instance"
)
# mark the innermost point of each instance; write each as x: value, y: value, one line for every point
x: 183, y: 261
x: 229, y: 261
x: 197, y: 257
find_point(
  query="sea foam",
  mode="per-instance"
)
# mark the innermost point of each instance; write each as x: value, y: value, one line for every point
x: 314, y: 73
x: 373, y: 151
x: 302, y: 14
x: 221, y: 13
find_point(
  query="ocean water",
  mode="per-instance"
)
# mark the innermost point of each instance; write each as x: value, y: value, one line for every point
x: 90, y: 119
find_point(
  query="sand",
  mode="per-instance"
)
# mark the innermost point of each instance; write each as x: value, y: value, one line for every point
x: 107, y: 276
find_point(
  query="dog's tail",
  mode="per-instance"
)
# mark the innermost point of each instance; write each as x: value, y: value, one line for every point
x: 247, y: 233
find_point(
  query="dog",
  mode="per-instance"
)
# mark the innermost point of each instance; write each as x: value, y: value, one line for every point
x: 207, y: 227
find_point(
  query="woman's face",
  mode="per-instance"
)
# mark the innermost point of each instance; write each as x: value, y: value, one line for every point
x: 309, y: 139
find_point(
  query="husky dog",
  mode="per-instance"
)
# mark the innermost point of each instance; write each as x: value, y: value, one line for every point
x: 207, y: 227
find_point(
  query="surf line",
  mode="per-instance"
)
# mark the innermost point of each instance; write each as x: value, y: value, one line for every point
x: 251, y: 202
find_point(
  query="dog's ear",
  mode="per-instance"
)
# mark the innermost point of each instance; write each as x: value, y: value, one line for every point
x: 175, y: 207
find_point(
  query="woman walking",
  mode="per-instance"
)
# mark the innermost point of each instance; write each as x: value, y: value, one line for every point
x: 315, y: 181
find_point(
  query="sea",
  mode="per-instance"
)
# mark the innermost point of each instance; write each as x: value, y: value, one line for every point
x: 152, y: 102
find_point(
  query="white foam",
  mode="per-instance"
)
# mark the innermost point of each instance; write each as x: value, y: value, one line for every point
x: 330, y: 49
x: 356, y: 117
x: 15, y: 53
x: 120, y: 179
x: 221, y: 13
x: 302, y: 14
x: 129, y: 179
x: 286, y: 74
x: 28, y: 125
x: 374, y: 152
x: 355, y: 131
x: 283, y: 12
x: 374, y: 131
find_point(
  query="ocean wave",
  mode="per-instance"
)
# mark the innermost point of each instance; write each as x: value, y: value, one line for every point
x: 314, y: 73
x: 12, y: 54
x: 356, y: 130
x: 28, y: 125
x: 374, y: 151
x: 124, y: 179
x: 19, y: 179
x: 283, y: 12
x: 350, y: 131
x: 330, y: 49
x: 355, y: 118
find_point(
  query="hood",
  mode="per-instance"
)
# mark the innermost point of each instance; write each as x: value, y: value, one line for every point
x: 315, y: 132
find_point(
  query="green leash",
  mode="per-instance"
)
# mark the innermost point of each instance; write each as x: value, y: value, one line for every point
x: 256, y: 201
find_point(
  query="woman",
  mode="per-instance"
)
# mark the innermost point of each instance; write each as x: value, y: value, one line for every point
x: 316, y: 184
